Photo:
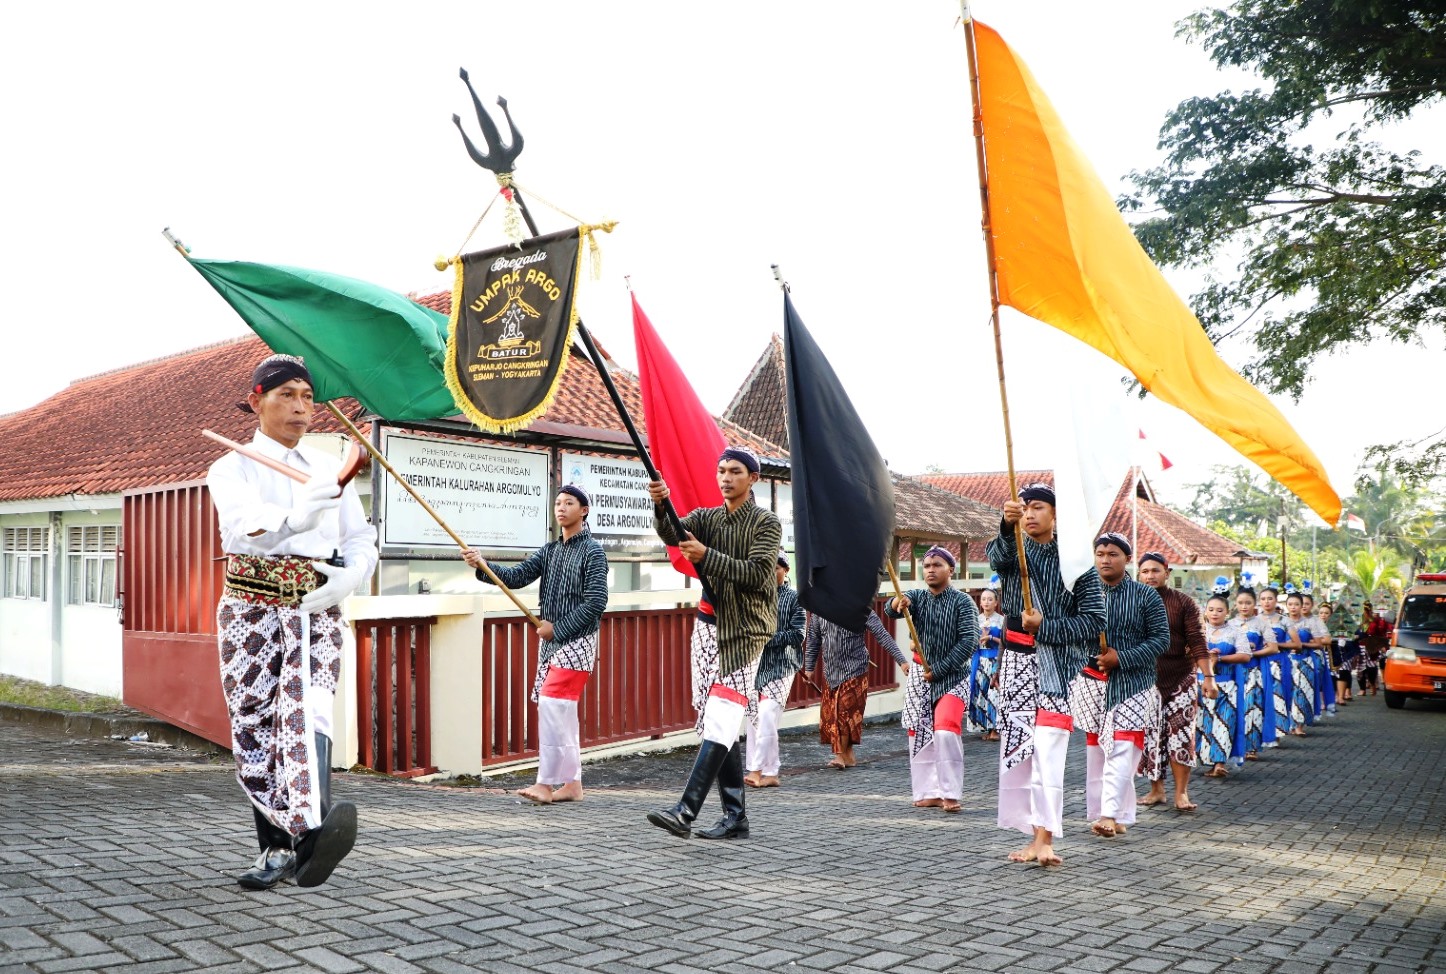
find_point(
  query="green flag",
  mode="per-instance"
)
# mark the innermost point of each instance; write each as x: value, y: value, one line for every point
x: 358, y: 340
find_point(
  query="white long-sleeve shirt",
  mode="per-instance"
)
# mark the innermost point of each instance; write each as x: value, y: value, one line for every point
x: 250, y: 497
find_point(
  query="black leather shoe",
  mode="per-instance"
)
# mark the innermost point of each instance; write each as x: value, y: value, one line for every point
x: 679, y: 819
x: 734, y: 823
x: 270, y: 868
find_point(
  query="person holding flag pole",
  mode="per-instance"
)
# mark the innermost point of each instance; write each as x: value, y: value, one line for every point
x: 735, y: 545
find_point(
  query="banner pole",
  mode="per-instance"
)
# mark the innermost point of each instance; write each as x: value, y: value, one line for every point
x: 377, y: 456
x: 968, y: 20
x: 602, y: 370
x: 908, y: 617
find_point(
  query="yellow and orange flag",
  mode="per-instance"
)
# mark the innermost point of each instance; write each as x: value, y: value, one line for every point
x: 1065, y: 256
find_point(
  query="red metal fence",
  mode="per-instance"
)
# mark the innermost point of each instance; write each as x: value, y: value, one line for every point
x: 641, y: 687
x: 170, y: 580
x: 393, y: 691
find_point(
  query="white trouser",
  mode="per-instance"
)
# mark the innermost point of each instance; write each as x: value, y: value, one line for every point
x: 1110, y: 781
x: 1031, y: 794
x: 924, y: 772
x: 559, y: 754
x: 763, y: 739
x: 723, y: 718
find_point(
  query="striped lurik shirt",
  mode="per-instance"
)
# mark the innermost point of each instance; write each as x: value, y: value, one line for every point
x: 1073, y: 618
x: 738, y: 570
x: 1138, y: 629
x: 948, y: 626
x: 780, y: 655
x: 574, y: 591
x: 845, y: 654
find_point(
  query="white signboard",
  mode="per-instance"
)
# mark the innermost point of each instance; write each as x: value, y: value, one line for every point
x: 621, y: 516
x: 783, y: 506
x: 493, y: 497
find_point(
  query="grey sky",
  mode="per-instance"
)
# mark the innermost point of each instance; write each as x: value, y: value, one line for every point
x: 831, y: 138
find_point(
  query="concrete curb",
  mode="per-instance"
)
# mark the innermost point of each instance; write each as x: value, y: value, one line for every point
x: 77, y: 724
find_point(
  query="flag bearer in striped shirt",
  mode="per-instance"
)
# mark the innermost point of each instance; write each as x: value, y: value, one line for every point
x: 573, y: 597
x: 735, y: 547
x: 937, y: 687
x: 1044, y: 649
x: 1114, y: 700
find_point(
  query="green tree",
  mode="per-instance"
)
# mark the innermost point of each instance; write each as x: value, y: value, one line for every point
x: 1242, y: 499
x: 1340, y: 239
x: 1373, y: 575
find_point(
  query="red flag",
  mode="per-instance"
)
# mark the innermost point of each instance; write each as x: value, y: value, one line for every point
x: 1159, y: 461
x: 683, y: 438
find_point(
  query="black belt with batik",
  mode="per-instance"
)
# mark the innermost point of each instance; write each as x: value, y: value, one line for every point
x: 280, y: 580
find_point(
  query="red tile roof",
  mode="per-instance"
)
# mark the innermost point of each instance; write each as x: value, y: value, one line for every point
x: 991, y: 487
x: 1158, y: 528
x: 761, y: 403
x: 139, y: 426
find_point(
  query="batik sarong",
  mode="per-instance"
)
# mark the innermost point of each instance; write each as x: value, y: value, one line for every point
x: 1282, y: 688
x: 733, y: 688
x: 1221, y: 723
x: 841, y: 717
x: 276, y: 663
x: 580, y: 656
x: 983, y: 697
x: 1302, y: 697
x: 1101, y: 724
x: 1252, y: 700
x: 918, y: 713
x: 1173, y: 733
x: 1018, y: 705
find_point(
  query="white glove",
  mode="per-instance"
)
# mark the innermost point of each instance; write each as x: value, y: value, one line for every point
x: 317, y: 496
x: 340, y: 582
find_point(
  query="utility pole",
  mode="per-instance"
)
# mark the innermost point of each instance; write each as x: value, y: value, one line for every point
x: 1284, y: 568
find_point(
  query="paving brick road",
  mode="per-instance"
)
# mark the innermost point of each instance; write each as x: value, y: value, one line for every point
x: 1328, y: 856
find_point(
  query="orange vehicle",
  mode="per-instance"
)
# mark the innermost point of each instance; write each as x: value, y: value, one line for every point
x: 1415, y: 665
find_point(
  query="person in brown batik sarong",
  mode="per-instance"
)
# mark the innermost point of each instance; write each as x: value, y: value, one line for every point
x: 279, y: 630
x: 846, y: 680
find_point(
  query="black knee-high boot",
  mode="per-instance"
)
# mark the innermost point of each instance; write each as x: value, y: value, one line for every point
x: 734, y: 823
x: 277, y: 861
x: 320, y: 850
x: 679, y: 819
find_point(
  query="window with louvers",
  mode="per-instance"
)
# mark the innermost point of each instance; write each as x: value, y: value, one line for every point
x: 90, y: 553
x: 23, y: 558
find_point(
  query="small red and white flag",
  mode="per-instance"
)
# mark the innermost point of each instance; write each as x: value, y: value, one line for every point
x: 1351, y: 522
x: 1152, y: 459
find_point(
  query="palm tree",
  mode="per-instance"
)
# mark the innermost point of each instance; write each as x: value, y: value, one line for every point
x: 1370, y: 573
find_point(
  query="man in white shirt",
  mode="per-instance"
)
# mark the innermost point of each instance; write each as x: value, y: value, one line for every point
x: 279, y: 627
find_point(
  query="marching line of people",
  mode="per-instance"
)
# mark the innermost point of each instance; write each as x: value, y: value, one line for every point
x: 1155, y: 684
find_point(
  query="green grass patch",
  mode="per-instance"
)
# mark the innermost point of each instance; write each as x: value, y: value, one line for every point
x: 28, y: 693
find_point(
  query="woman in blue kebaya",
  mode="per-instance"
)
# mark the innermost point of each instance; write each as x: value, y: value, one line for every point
x: 1221, y: 726
x: 1281, y: 671
x: 983, y: 691
x: 1254, y: 693
x: 1302, y: 662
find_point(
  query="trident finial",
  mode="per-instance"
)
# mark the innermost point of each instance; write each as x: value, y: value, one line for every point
x: 500, y: 157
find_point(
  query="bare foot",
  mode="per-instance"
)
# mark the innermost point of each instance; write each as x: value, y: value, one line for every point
x: 1184, y: 804
x: 752, y: 778
x: 929, y: 803
x: 992, y: 736
x: 1217, y: 772
x: 1252, y: 756
x: 950, y: 805
x: 1119, y: 829
x: 1104, y: 828
x: 1154, y: 797
x: 570, y: 792
x: 767, y: 781
x: 837, y: 763
x: 539, y: 794
x: 848, y: 759
x: 1297, y: 732
x: 1047, y: 857
x: 1027, y: 854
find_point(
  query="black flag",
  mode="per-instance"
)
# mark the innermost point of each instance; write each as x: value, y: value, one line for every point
x: 843, y: 499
